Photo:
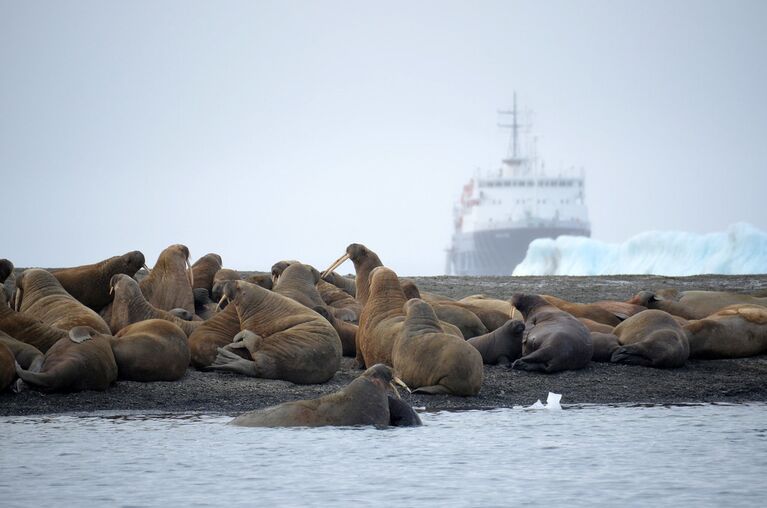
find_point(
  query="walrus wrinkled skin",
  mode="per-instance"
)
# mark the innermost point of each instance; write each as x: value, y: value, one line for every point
x: 151, y: 350
x: 27, y: 355
x: 585, y: 310
x: 347, y: 332
x: 502, y: 345
x: 169, y: 284
x: 652, y: 338
x: 365, y: 261
x: 204, y: 269
x: 285, y: 339
x: 84, y: 361
x: 339, y: 299
x: 382, y: 318
x: 40, y: 295
x: 736, y: 331
x: 222, y: 276
x: 214, y: 333
x: 299, y: 282
x: 345, y: 284
x: 129, y: 306
x: 89, y: 284
x: 431, y: 361
x: 26, y: 328
x: 364, y: 401
x: 554, y: 340
x: 694, y: 304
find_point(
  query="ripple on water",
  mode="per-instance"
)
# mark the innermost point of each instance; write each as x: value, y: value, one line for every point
x: 682, y: 455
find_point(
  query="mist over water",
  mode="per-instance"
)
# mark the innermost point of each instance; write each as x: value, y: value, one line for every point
x: 741, y: 249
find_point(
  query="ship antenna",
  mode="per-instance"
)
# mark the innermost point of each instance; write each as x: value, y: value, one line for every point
x: 513, y: 151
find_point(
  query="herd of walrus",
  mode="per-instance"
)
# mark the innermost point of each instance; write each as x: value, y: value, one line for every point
x: 83, y: 328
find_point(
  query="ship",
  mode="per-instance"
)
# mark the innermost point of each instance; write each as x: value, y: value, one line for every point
x: 501, y: 212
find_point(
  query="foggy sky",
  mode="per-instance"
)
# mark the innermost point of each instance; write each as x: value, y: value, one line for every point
x: 287, y: 130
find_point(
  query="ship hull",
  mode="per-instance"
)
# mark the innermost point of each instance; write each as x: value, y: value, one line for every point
x: 498, y: 251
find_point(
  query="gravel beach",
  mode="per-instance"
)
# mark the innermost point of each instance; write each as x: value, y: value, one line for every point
x: 725, y: 381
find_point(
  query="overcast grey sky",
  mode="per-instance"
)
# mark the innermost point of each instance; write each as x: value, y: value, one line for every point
x: 272, y: 130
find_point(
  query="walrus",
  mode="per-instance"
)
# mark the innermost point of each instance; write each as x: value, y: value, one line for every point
x: 502, y: 345
x: 27, y: 329
x: 364, y: 260
x: 364, y: 401
x: 169, y: 284
x: 693, y: 304
x: 260, y: 279
x: 431, y: 361
x: 214, y: 333
x: 151, y: 350
x: 651, y: 338
x: 84, y: 361
x: 585, y: 310
x: 605, y: 344
x: 6, y: 269
x: 345, y: 284
x: 286, y: 340
x: 554, y: 340
x: 337, y: 298
x: 7, y: 367
x: 89, y: 284
x: 347, y: 332
x: 40, y: 295
x: 222, y: 276
x: 204, y: 269
x: 736, y: 331
x: 27, y: 355
x: 129, y: 306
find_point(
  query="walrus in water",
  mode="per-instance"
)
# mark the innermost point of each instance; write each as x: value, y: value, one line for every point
x: 554, y: 340
x: 364, y: 401
x: 151, y: 350
x: 84, y: 361
x: 736, y: 331
x: 431, y: 361
x: 652, y: 338
x: 502, y: 345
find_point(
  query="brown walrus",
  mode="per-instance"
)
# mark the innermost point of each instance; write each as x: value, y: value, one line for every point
x: 605, y: 344
x: 169, y: 284
x: 7, y: 367
x: 214, y: 333
x: 554, y: 340
x: 6, y: 269
x: 585, y: 310
x: 151, y: 350
x: 89, y: 284
x: 365, y: 261
x: 84, y: 361
x: 26, y: 328
x: 27, y: 355
x: 285, y: 339
x: 652, y: 338
x: 337, y: 298
x: 364, y: 401
x: 40, y: 295
x: 431, y: 361
x: 736, y: 331
x: 502, y: 345
x: 204, y: 269
x: 129, y: 306
x: 693, y: 304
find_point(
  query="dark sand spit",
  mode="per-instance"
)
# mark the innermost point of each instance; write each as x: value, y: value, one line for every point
x: 727, y: 381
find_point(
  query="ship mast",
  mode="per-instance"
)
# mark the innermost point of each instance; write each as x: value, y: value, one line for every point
x: 514, y: 161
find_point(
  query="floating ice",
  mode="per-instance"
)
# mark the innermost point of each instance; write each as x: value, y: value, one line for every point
x: 742, y: 249
x: 552, y: 402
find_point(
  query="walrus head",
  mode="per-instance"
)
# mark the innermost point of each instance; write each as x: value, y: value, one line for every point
x: 359, y: 254
x: 646, y: 299
x: 124, y: 284
x: 527, y: 303
x: 279, y: 267
x: 410, y: 289
x: 383, y: 376
x: 6, y: 268
x: 129, y: 263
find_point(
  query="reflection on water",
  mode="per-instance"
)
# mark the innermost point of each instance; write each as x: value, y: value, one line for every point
x: 640, y: 456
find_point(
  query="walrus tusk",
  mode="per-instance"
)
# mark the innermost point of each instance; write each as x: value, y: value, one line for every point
x: 218, y: 305
x: 335, y: 265
x: 190, y: 272
x: 111, y: 289
x: 145, y: 267
x: 394, y: 388
x: 17, y: 300
x: 402, y: 384
x: 513, y: 310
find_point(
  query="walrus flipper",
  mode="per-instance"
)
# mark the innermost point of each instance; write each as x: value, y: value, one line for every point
x: 230, y: 362
x: 433, y: 390
x: 401, y: 414
x: 630, y: 356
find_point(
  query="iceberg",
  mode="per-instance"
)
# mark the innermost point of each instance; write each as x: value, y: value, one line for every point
x: 741, y: 249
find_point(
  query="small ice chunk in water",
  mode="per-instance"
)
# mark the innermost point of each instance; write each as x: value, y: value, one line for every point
x: 552, y: 402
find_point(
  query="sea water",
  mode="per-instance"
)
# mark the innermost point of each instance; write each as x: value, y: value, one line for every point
x: 699, y: 455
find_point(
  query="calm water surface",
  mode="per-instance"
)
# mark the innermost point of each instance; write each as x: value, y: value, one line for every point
x: 580, y: 456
